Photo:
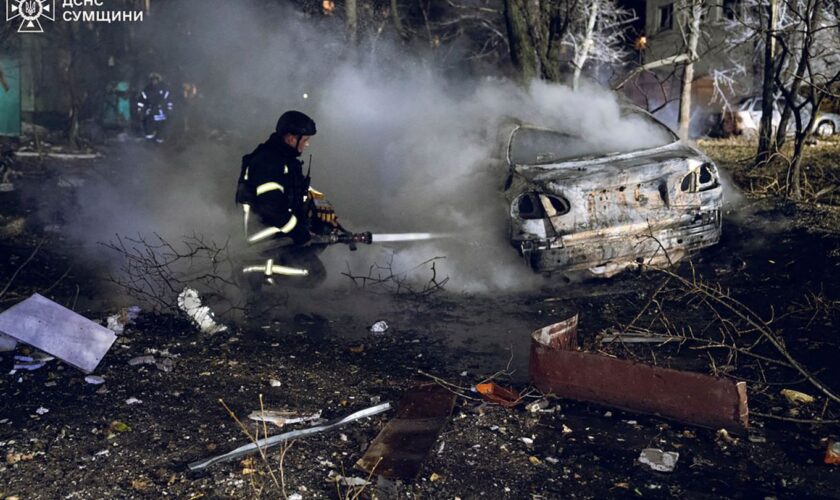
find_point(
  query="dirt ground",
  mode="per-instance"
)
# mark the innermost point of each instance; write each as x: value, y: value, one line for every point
x: 132, y: 436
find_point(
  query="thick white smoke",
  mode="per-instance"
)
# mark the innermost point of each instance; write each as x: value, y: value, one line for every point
x: 400, y: 147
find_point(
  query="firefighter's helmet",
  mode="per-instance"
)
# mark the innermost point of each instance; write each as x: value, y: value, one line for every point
x: 295, y: 123
x: 155, y: 76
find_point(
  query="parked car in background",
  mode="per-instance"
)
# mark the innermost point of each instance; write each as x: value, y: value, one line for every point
x: 748, y: 118
x: 578, y: 210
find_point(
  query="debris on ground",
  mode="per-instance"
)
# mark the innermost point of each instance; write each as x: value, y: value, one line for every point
x: 537, y: 406
x: 272, y: 441
x: 494, y: 393
x: 120, y: 427
x: 658, y: 460
x: 142, y: 360
x: 11, y: 227
x: 189, y: 301
x: 832, y: 453
x: 557, y: 367
x: 282, y: 418
x: 58, y: 331
x: 725, y: 436
x: 163, y: 362
x: 117, y: 322
x: 94, y: 380
x: 379, y: 328
x: 13, y: 457
x: 31, y: 363
x: 352, y: 482
x: 403, y: 444
x: 797, y: 397
x: 632, y: 338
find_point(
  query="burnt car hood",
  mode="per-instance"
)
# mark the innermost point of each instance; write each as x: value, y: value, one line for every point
x: 610, y: 165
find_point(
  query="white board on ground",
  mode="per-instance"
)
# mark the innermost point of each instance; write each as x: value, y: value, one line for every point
x: 56, y: 330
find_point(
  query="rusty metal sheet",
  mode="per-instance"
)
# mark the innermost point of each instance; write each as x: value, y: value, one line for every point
x: 557, y: 367
x: 403, y: 444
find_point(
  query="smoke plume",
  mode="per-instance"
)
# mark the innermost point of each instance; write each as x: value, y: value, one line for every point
x: 400, y: 147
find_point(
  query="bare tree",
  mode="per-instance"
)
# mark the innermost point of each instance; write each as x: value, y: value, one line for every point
x: 691, y: 34
x: 351, y: 21
x: 801, y: 42
x: 597, y: 33
x: 552, y: 39
x: 817, y: 70
x: 765, y: 131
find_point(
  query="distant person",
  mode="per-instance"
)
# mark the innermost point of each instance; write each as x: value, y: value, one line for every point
x: 187, y: 99
x: 273, y: 187
x: 154, y: 104
x: 3, y: 82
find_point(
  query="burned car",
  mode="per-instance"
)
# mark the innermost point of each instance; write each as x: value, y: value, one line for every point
x: 575, y: 209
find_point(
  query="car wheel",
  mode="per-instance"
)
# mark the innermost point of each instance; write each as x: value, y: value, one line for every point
x: 825, y: 129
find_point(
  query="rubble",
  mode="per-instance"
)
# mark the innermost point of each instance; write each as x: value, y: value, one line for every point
x: 282, y: 418
x: 658, y: 460
x: 832, y: 453
x: 189, y: 301
x: 537, y: 406
x: 117, y: 322
x: 403, y: 444
x: 269, y: 442
x: 797, y: 397
x: 335, y: 477
x: 142, y: 360
x: 31, y: 363
x: 633, y: 338
x: 56, y: 330
x: 164, y: 362
x: 495, y: 393
x: 557, y: 367
x: 379, y: 328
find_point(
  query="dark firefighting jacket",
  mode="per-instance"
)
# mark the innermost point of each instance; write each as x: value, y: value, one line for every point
x: 155, y: 101
x: 273, y: 187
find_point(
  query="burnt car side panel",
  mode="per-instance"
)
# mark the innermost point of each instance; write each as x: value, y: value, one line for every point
x: 650, y: 207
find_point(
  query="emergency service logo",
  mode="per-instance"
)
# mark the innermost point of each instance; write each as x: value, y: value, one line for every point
x: 30, y: 13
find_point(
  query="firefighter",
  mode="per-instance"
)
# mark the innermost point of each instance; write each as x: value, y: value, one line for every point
x: 154, y: 104
x: 281, y: 210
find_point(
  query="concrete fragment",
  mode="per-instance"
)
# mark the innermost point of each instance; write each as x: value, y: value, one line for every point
x: 190, y: 302
x: 379, y: 328
x: 658, y: 460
